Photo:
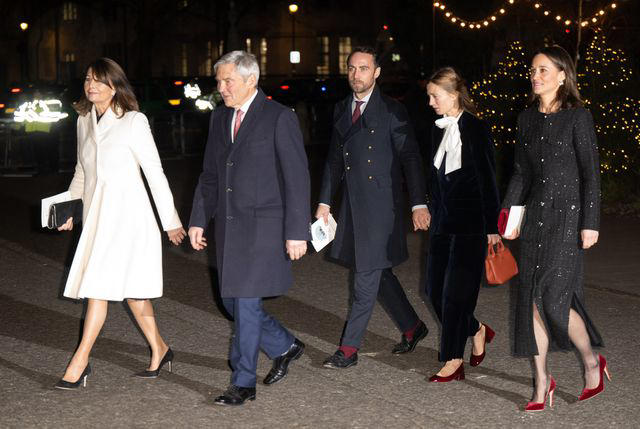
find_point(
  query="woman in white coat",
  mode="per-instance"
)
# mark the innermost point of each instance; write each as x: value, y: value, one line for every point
x: 119, y: 252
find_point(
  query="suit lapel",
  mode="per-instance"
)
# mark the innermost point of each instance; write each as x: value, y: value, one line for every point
x: 343, y: 124
x: 368, y: 119
x: 249, y: 120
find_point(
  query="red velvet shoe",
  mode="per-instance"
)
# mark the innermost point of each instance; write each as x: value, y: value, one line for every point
x: 590, y: 393
x: 458, y: 375
x: 539, y: 406
x: 488, y: 336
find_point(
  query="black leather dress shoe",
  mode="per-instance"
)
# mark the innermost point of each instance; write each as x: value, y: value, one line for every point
x: 281, y: 363
x: 407, y: 346
x: 236, y: 395
x: 338, y: 360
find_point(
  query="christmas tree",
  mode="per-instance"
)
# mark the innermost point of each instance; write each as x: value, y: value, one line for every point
x: 608, y: 91
x: 502, y: 95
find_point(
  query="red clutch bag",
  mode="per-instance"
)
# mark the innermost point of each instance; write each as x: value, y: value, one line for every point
x: 500, y: 265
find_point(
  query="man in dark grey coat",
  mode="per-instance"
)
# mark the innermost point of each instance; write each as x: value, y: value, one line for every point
x: 255, y: 183
x: 372, y: 145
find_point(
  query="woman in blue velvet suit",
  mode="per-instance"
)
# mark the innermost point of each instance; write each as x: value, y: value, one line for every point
x: 464, y: 207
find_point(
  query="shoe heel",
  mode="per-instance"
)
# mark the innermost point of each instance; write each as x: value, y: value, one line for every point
x: 170, y: 366
x: 551, y: 399
x: 490, y: 333
x: 84, y: 381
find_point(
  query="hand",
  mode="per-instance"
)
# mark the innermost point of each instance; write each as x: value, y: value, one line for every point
x: 421, y: 219
x: 323, y: 212
x: 513, y: 236
x: 176, y: 235
x: 68, y: 225
x: 296, y: 248
x: 196, y: 236
x: 493, y: 238
x: 589, y: 238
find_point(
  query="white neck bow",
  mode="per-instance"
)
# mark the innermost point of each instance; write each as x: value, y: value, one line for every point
x: 451, y: 144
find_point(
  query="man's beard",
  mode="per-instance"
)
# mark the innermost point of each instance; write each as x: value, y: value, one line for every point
x: 355, y: 86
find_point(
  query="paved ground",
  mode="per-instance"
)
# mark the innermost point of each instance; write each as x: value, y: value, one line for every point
x: 39, y: 330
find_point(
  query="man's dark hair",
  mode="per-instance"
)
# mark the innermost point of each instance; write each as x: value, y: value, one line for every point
x: 365, y: 50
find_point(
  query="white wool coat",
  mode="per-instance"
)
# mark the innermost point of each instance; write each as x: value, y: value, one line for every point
x: 119, y: 254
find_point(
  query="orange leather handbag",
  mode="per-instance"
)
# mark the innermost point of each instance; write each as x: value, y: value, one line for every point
x: 500, y: 264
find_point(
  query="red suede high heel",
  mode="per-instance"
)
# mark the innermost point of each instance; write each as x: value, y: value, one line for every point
x: 590, y: 393
x: 458, y: 375
x: 475, y: 360
x: 539, y: 406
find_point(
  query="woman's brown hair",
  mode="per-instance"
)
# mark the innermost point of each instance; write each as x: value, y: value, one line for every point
x: 451, y: 81
x: 567, y: 95
x: 107, y: 71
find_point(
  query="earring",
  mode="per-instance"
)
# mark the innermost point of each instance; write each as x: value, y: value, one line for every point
x: 561, y: 82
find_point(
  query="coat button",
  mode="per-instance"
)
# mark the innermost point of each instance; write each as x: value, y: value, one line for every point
x: 229, y: 189
x: 369, y: 161
x: 346, y: 154
x: 230, y: 164
x: 573, y: 207
x: 372, y: 131
x: 348, y: 168
x: 229, y: 217
x: 370, y: 147
x: 370, y: 177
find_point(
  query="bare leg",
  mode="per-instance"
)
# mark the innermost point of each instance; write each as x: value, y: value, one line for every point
x: 580, y: 338
x: 143, y: 312
x: 94, y: 319
x: 540, y: 360
x: 478, y: 340
x: 450, y: 367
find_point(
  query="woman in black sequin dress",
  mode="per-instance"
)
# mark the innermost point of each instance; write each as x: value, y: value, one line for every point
x: 557, y: 176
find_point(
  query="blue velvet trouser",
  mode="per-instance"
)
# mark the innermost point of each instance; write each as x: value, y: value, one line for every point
x: 455, y: 266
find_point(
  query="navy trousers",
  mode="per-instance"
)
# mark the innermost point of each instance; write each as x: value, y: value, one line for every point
x: 454, y: 271
x: 255, y: 330
x: 383, y: 285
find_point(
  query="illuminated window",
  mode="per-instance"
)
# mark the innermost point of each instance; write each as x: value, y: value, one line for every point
x: 69, y: 11
x: 344, y: 49
x: 323, y: 61
x: 206, y: 68
x: 263, y: 56
x: 220, y: 48
x: 183, y: 63
x: 69, y: 57
x: 248, y: 43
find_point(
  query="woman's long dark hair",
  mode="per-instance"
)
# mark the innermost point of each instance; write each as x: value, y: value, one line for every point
x: 567, y: 95
x: 107, y: 71
x: 451, y: 81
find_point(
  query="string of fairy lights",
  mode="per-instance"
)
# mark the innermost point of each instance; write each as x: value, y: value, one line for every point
x: 606, y: 74
x: 594, y: 19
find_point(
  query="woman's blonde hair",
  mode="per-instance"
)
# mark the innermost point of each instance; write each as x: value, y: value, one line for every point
x: 451, y: 81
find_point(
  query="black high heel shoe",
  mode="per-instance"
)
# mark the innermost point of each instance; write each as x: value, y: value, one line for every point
x: 168, y: 358
x: 82, y: 380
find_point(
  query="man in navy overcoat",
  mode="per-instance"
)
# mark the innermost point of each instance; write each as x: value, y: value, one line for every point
x: 255, y: 184
x: 372, y: 154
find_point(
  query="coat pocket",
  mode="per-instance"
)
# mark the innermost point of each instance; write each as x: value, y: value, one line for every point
x: 269, y: 211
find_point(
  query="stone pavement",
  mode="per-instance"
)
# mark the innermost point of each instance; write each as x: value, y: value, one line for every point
x: 39, y: 330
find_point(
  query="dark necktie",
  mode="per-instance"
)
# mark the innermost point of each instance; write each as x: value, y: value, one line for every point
x: 356, y: 112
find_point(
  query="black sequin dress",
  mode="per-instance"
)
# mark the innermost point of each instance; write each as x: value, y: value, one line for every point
x: 557, y: 177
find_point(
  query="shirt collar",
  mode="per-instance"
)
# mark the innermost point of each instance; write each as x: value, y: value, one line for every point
x: 366, y: 98
x: 245, y: 106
